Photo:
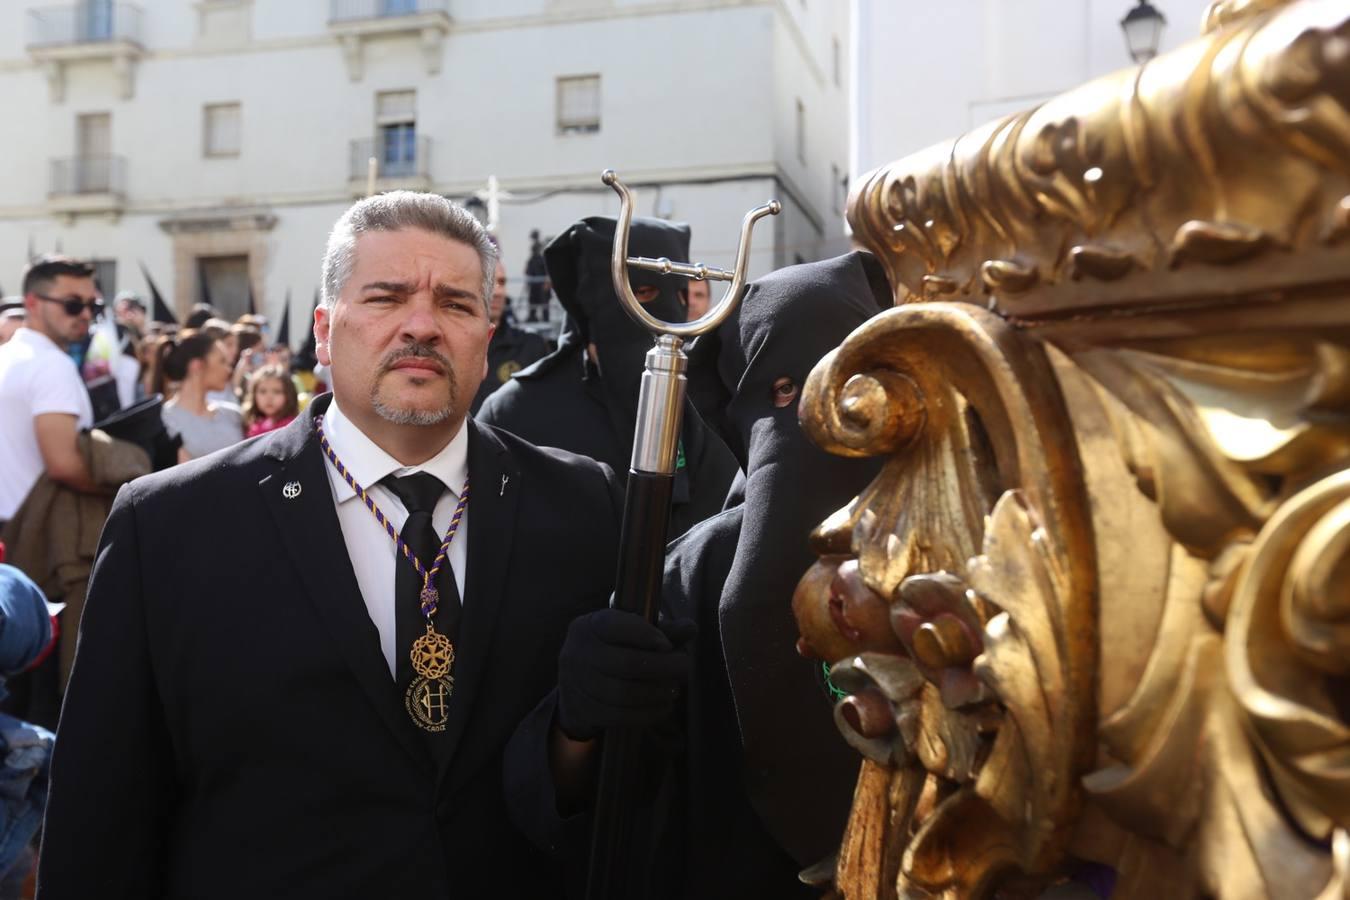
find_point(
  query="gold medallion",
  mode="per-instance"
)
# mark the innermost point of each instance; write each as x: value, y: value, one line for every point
x: 428, y: 697
x: 428, y: 701
x: 432, y: 654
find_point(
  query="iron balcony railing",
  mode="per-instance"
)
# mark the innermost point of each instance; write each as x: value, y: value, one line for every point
x: 85, y: 23
x: 401, y: 155
x: 88, y: 175
x: 352, y: 10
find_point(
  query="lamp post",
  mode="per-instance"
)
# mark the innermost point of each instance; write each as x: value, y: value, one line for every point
x: 1143, y: 27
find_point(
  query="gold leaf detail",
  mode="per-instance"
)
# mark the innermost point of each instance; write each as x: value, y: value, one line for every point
x: 1099, y: 262
x: 1217, y: 243
x: 1007, y: 275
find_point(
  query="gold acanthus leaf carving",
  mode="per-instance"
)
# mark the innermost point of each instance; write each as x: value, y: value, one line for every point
x: 1026, y: 665
x: 1231, y: 150
x: 967, y: 411
x: 1287, y: 652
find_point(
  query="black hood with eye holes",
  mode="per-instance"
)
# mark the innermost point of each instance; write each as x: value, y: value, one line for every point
x: 564, y: 401
x: 787, y: 321
x: 578, y: 267
x: 798, y: 774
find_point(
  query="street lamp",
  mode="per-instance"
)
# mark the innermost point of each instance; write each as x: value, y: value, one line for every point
x: 1143, y: 27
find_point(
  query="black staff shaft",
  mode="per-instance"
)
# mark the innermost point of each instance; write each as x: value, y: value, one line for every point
x: 616, y: 871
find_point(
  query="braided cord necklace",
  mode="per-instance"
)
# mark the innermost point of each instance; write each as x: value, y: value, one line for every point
x: 432, y: 654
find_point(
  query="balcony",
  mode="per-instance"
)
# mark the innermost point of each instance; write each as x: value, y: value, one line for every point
x: 87, y: 185
x: 357, y: 22
x: 59, y: 36
x: 352, y: 10
x: 403, y: 163
x: 69, y: 25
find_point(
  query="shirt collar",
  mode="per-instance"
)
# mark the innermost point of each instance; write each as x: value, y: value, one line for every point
x: 368, y: 463
x: 35, y: 338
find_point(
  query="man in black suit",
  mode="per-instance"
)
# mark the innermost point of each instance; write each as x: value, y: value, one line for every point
x: 250, y: 714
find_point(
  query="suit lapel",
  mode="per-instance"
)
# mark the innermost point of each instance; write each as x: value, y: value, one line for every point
x: 492, y: 514
x: 301, y: 502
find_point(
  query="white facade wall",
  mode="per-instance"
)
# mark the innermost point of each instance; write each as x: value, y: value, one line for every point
x: 925, y: 72
x: 698, y: 107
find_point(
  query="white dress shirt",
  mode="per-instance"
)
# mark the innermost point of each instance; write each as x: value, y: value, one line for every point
x: 372, y: 551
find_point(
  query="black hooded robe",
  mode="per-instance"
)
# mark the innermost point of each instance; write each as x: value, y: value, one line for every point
x: 567, y: 401
x: 765, y: 781
x: 511, y: 350
x: 762, y: 785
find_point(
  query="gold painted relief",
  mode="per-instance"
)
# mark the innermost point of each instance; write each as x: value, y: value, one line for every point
x: 1096, y: 607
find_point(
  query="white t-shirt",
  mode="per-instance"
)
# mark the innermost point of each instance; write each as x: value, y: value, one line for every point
x: 36, y: 377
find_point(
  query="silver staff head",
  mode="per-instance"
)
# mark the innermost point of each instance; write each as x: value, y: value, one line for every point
x: 620, y: 261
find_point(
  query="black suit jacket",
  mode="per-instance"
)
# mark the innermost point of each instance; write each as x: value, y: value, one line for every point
x: 231, y: 728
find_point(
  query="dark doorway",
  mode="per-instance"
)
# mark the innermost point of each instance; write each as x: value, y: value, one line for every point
x: 223, y: 282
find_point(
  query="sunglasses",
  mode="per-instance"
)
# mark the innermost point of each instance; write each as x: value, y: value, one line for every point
x: 73, y: 306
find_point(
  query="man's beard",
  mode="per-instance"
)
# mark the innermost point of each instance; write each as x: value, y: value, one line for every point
x: 402, y: 415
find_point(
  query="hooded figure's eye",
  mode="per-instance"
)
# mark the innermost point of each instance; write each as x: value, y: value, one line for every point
x: 784, y: 392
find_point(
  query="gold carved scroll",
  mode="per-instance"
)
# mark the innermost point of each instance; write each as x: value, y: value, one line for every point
x: 1095, y: 610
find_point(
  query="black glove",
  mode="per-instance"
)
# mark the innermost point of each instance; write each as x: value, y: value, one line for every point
x: 617, y: 669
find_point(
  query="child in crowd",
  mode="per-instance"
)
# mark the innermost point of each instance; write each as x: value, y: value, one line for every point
x: 270, y: 401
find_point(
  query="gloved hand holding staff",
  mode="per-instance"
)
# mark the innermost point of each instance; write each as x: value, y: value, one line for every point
x: 647, y: 512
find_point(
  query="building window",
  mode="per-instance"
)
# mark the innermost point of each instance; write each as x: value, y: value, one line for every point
x: 579, y: 104
x: 838, y: 60
x: 396, y: 133
x: 92, y: 170
x: 221, y: 129
x: 95, y: 20
x: 801, y: 132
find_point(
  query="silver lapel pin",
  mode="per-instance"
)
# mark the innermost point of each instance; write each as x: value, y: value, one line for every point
x: 505, y: 479
x: 291, y: 490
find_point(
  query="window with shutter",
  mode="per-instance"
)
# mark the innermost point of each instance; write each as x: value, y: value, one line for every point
x: 396, y: 133
x: 221, y: 127
x: 579, y: 104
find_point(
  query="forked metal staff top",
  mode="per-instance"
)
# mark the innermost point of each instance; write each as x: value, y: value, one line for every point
x: 620, y: 261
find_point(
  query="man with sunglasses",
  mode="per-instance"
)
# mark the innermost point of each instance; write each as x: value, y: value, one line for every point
x: 43, y: 401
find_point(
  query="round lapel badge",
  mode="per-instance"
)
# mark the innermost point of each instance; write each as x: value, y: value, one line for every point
x: 291, y: 490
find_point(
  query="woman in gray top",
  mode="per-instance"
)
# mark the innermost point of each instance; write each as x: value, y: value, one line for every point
x: 199, y: 364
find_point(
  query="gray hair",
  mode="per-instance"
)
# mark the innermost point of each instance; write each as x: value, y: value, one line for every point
x: 396, y: 211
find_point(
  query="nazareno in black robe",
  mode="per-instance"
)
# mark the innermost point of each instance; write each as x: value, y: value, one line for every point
x: 764, y: 783
x: 566, y: 401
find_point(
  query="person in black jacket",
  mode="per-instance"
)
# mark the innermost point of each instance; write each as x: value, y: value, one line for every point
x: 511, y: 348
x: 584, y: 396
x: 269, y: 699
x: 761, y: 787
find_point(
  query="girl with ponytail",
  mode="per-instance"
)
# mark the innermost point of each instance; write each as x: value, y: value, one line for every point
x: 199, y: 365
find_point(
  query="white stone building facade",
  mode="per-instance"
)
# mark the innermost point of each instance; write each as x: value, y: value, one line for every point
x: 216, y: 141
x: 926, y: 72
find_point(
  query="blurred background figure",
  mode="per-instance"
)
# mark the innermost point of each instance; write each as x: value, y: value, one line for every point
x: 200, y: 366
x: 512, y: 348
x: 699, y: 297
x: 223, y: 333
x: 130, y: 310
x: 201, y: 314
x: 537, y: 286
x: 43, y: 401
x: 25, y: 749
x: 11, y: 317
x: 270, y: 400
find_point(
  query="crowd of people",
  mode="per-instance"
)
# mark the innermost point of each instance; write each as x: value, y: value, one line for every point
x: 399, y: 686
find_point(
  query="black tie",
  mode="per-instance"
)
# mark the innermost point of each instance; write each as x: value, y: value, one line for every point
x: 419, y: 494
